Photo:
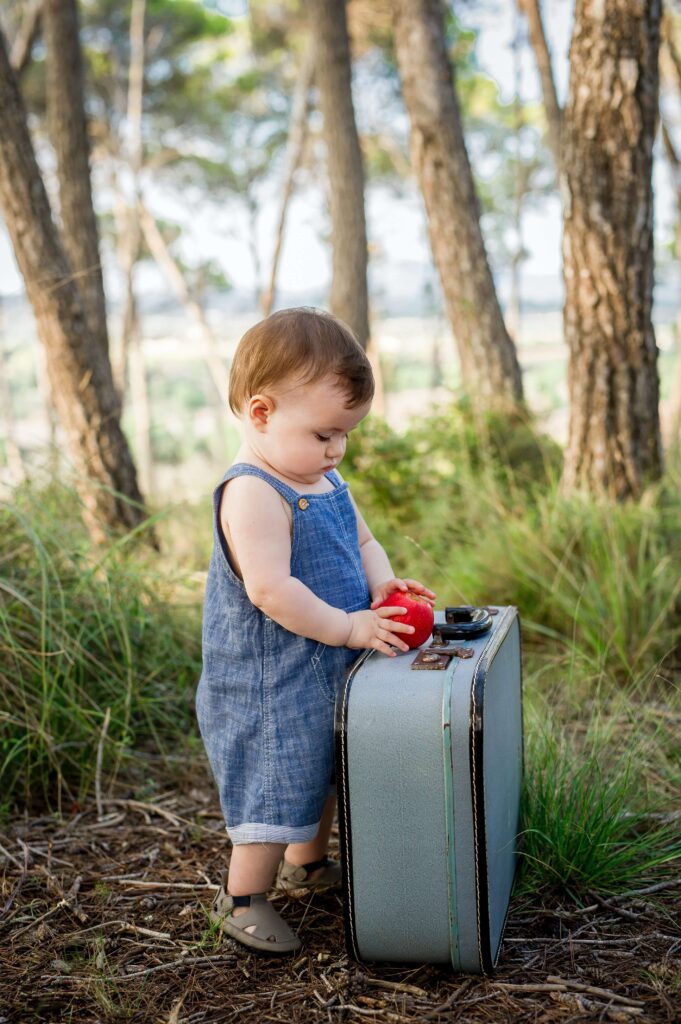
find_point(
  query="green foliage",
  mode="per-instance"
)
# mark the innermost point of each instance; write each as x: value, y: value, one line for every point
x: 80, y: 632
x: 584, y: 831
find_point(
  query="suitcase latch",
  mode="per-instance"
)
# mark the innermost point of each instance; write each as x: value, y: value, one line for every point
x: 439, y: 653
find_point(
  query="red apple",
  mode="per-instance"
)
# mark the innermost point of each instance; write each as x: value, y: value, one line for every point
x: 419, y: 614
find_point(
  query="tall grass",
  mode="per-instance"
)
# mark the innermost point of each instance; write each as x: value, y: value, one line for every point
x: 82, y: 631
x: 591, y: 821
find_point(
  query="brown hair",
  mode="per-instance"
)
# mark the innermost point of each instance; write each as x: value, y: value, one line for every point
x: 302, y: 345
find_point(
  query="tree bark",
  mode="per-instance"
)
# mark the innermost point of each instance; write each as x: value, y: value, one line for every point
x: 349, y: 295
x: 80, y: 373
x: 489, y: 366
x: 674, y: 416
x: 542, y: 55
x: 613, y: 444
x: 68, y: 134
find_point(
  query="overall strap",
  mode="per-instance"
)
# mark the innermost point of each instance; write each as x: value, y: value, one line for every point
x: 246, y: 469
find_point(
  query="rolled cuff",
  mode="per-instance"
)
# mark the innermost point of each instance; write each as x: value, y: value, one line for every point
x: 257, y: 832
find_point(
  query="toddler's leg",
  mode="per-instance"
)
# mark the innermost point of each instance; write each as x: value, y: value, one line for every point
x: 252, y: 868
x: 306, y: 853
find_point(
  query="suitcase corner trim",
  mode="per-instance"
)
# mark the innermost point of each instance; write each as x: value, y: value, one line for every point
x: 488, y: 956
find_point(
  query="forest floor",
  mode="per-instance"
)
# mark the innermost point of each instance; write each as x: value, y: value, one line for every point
x: 105, y: 918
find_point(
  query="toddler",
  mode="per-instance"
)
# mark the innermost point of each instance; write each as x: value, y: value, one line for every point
x: 293, y: 586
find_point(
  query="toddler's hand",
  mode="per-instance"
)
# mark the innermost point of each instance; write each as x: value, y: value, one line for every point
x: 385, y: 589
x: 376, y: 629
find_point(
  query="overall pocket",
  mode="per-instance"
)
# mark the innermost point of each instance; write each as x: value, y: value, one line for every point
x: 329, y: 664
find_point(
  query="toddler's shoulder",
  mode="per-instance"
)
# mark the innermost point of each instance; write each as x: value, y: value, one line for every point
x: 247, y: 487
x: 252, y: 500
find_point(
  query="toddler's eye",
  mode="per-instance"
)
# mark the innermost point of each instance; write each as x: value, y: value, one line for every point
x: 320, y: 437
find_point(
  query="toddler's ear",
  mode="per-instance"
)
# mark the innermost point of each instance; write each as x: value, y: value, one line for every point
x: 260, y: 408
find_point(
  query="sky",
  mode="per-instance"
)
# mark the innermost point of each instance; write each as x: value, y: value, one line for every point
x: 397, y: 228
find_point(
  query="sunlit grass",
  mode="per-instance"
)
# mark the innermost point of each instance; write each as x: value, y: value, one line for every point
x: 82, y: 631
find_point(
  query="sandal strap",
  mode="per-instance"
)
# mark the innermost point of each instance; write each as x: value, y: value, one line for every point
x: 267, y: 920
x: 291, y: 877
x: 315, y: 864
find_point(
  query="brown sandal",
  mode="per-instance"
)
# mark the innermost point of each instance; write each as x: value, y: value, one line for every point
x: 268, y: 930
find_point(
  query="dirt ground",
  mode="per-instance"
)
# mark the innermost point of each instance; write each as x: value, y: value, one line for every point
x: 105, y: 919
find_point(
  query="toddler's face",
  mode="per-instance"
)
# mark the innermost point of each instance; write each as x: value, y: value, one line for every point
x: 304, y: 435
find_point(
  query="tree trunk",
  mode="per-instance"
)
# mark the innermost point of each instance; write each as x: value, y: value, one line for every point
x: 542, y: 56
x: 294, y: 151
x: 15, y: 462
x: 51, y: 417
x: 349, y: 296
x: 489, y: 366
x: 514, y: 307
x: 211, y: 353
x: 613, y: 444
x: 80, y: 373
x: 68, y: 134
x: 674, y: 413
x: 22, y: 44
x: 252, y: 209
x: 139, y: 401
x: 673, y: 431
x: 129, y: 235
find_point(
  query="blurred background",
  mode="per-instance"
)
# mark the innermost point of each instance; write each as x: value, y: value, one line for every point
x: 229, y: 163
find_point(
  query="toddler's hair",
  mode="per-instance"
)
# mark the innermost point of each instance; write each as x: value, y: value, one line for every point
x: 302, y: 345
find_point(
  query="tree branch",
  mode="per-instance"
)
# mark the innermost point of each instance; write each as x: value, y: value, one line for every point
x: 25, y: 37
x: 554, y: 113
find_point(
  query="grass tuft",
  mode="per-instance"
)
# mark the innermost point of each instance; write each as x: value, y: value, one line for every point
x: 586, y: 829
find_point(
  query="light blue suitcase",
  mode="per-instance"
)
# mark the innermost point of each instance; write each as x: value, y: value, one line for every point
x: 429, y: 760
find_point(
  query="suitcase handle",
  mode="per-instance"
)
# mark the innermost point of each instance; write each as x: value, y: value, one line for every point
x: 463, y: 621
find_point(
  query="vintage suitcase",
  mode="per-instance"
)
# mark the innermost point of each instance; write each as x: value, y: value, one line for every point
x: 429, y: 759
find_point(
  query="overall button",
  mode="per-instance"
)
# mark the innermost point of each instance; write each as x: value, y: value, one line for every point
x: 303, y: 504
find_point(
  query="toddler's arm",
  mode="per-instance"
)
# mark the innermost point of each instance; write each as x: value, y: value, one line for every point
x: 260, y: 535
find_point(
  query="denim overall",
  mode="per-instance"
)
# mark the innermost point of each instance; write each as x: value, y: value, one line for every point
x: 265, y: 700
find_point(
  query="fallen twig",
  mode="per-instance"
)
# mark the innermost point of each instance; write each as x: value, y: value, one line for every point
x: 593, y: 990
x: 396, y: 986
x: 672, y: 883
x: 140, y: 884
x: 463, y: 987
x: 139, y: 805
x: 10, y: 856
x: 579, y: 1002
x: 98, y: 766
x: 628, y: 914
x: 185, y: 961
